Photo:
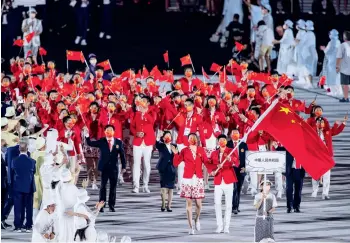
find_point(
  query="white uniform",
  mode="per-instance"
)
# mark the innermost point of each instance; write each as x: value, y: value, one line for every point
x: 285, y: 55
x: 44, y: 224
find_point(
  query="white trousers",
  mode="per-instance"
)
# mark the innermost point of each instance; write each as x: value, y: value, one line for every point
x: 253, y: 181
x: 326, y: 183
x: 227, y: 190
x: 279, y: 182
x: 139, y: 152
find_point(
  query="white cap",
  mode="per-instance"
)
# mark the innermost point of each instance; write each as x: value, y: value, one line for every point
x: 4, y: 121
x: 66, y: 175
x: 289, y: 23
x: 40, y: 143
x: 309, y: 25
x: 10, y: 111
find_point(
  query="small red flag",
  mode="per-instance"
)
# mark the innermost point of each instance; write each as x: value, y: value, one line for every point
x: 166, y: 57
x: 75, y: 56
x: 239, y: 46
x: 18, y: 42
x: 42, y: 51
x: 205, y: 74
x: 29, y: 37
x: 155, y: 72
x: 215, y: 67
x: 105, y: 64
x: 179, y: 120
x: 29, y: 53
x: 145, y: 72
x: 297, y: 137
x: 186, y: 60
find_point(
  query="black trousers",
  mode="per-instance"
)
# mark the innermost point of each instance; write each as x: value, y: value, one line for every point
x: 112, y: 176
x: 23, y: 203
x: 8, y: 205
x: 294, y: 188
x: 237, y: 188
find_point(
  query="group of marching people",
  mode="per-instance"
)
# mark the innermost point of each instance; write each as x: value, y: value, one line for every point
x: 194, y: 125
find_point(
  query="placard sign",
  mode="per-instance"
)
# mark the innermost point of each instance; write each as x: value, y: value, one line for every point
x: 265, y: 162
x: 28, y: 3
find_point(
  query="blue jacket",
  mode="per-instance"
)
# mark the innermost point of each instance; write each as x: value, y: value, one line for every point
x: 165, y: 157
x: 23, y: 174
x: 108, y: 157
x: 242, y: 148
x: 298, y: 174
x: 11, y: 154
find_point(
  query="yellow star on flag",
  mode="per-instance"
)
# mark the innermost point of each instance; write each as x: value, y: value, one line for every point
x: 285, y: 109
x: 293, y: 121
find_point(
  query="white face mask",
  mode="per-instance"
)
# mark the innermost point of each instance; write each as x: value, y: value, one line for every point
x: 266, y: 188
x: 32, y: 15
x: 93, y: 61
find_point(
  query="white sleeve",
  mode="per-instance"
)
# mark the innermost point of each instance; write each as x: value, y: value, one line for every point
x: 327, y: 48
x: 274, y: 201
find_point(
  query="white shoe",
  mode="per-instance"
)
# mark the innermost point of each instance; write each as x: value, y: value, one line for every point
x: 83, y: 42
x: 101, y: 35
x: 135, y: 190
x: 191, y: 232
x: 207, y: 187
x: 279, y: 194
x: 108, y: 37
x: 146, y: 190
x: 325, y: 197
x: 314, y: 194
x: 77, y: 40
x: 121, y: 180
x: 94, y: 186
x: 226, y: 230
x: 214, y: 38
x: 198, y: 226
x: 218, y: 230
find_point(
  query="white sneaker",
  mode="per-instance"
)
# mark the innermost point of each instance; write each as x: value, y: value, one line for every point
x: 314, y: 194
x: 198, y: 226
x: 83, y: 42
x: 191, y: 232
x: 226, y: 230
x: 214, y: 38
x: 218, y: 230
x: 77, y: 40
x: 101, y: 35
x: 94, y: 186
x: 135, y: 190
x: 108, y: 37
x: 121, y: 180
x: 146, y: 190
x: 279, y: 194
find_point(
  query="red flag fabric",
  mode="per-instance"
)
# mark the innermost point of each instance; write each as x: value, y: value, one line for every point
x: 29, y: 37
x: 75, y: 56
x: 239, y: 46
x: 42, y: 52
x: 18, y: 43
x: 105, y: 64
x: 166, y: 57
x: 179, y: 120
x: 186, y: 60
x: 29, y: 53
x: 297, y: 137
x: 205, y: 74
x: 155, y: 72
x: 145, y: 72
x: 215, y: 67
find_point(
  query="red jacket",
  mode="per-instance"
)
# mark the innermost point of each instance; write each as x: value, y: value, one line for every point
x: 192, y: 166
x: 209, y: 125
x: 143, y: 124
x: 169, y: 113
x: 187, y: 88
x: 194, y: 124
x: 94, y: 126
x: 76, y: 138
x: 115, y: 120
x: 226, y: 173
x: 329, y: 133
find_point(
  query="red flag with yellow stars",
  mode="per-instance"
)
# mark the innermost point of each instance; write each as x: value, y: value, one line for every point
x: 186, y: 60
x: 75, y: 56
x: 18, y: 43
x: 215, y: 67
x: 29, y: 37
x: 105, y: 64
x: 300, y: 139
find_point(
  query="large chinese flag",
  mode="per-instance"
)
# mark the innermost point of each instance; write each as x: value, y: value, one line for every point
x: 297, y: 137
x: 186, y: 60
x: 75, y: 56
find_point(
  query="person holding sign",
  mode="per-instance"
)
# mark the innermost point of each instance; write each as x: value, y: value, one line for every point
x: 192, y: 186
x: 220, y: 166
x: 265, y: 202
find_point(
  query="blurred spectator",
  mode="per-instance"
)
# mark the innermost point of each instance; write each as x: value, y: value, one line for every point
x: 82, y: 20
x: 29, y: 26
x: 345, y: 7
x: 323, y: 7
x: 107, y: 18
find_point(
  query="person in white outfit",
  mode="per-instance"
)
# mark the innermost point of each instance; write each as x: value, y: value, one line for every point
x: 264, y: 44
x: 231, y: 7
x: 266, y: 13
x: 34, y: 26
x: 309, y: 51
x: 285, y: 56
x: 44, y: 229
x: 329, y: 64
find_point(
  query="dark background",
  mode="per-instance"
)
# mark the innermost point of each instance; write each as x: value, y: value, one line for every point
x: 142, y: 33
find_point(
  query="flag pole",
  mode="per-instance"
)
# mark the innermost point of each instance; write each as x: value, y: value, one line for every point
x: 67, y: 62
x: 168, y: 59
x: 192, y: 66
x: 111, y: 67
x: 87, y: 65
x: 20, y: 50
x: 244, y: 139
x: 232, y: 71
